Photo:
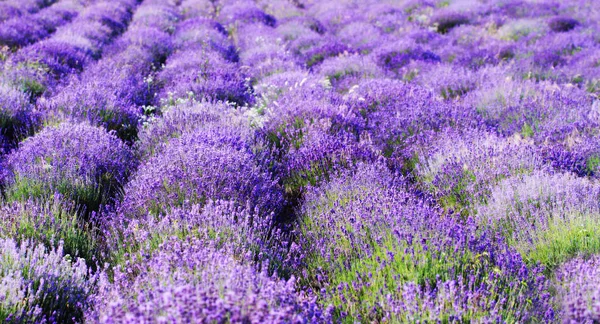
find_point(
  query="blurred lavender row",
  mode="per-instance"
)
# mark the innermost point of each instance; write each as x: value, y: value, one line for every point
x: 23, y: 30
x: 15, y: 8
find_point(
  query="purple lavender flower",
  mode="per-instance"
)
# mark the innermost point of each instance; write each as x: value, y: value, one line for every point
x: 196, y: 8
x: 394, y: 56
x: 10, y: 9
x: 266, y: 60
x: 333, y: 15
x: 577, y: 153
x: 396, y: 117
x: 461, y: 171
x: 226, y: 224
x: 114, y: 16
x: 107, y: 101
x: 244, y: 12
x: 373, y: 249
x: 150, y: 40
x: 161, y: 16
x: 446, y: 21
x: 303, y: 161
x: 577, y: 285
x: 343, y: 214
x: 184, y: 174
x: 79, y: 161
x: 546, y: 217
x: 27, y: 29
x: 21, y: 32
x: 41, y: 285
x: 362, y: 37
x: 344, y: 72
x: 202, y: 33
x: 40, y: 65
x: 450, y: 82
x: 60, y: 57
x: 52, y: 223
x: 203, y: 75
x: 181, y: 118
x: 110, y: 92
x: 311, y: 50
x: 191, y: 281
x: 59, y: 13
x: 18, y: 118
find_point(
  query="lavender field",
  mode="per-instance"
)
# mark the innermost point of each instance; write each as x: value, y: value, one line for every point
x: 300, y: 161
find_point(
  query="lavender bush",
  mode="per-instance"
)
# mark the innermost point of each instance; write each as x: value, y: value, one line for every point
x: 182, y: 117
x: 110, y: 92
x: 53, y: 223
x: 18, y: 118
x: 577, y: 285
x: 184, y: 174
x: 377, y: 253
x: 27, y: 29
x: 549, y: 218
x: 40, y: 285
x: 187, y: 281
x: 82, y: 162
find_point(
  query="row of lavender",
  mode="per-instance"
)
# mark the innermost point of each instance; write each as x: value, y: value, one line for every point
x: 301, y: 161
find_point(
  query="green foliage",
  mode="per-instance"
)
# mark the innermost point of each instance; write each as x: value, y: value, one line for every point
x: 314, y: 60
x: 527, y: 131
x: 593, y: 86
x: 592, y: 164
x: 87, y: 196
x: 33, y: 88
x: 124, y: 129
x: 454, y: 93
x: 563, y: 240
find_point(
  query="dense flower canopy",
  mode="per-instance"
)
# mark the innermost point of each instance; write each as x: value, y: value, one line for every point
x: 77, y: 160
x: 299, y: 161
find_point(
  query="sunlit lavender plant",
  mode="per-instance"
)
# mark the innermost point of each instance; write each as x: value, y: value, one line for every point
x: 79, y: 161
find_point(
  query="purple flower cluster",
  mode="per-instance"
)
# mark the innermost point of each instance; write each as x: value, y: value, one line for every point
x: 461, y: 169
x: 52, y: 223
x: 525, y: 204
x: 180, y: 118
x: 205, y: 67
x: 40, y: 285
x: 185, y: 172
x: 378, y: 253
x: 244, y: 232
x: 52, y: 53
x: 79, y: 161
x: 110, y: 92
x: 577, y: 285
x: 75, y: 45
x: 18, y: 117
x: 190, y: 281
x: 12, y: 8
x: 29, y: 28
x: 203, y: 76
